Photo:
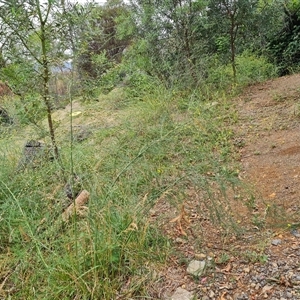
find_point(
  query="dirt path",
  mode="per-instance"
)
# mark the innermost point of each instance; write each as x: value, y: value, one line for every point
x: 265, y: 262
x: 269, y: 134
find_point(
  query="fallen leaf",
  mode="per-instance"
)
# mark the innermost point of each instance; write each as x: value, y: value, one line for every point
x: 76, y: 113
x: 273, y: 195
x: 266, y: 289
x: 227, y: 268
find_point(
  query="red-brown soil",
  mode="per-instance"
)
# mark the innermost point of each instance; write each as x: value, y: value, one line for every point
x: 249, y: 266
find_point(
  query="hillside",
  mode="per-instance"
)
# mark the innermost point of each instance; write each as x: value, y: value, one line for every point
x: 262, y: 263
x: 171, y: 180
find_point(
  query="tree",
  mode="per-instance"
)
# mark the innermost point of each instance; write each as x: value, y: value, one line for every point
x: 232, y: 21
x: 173, y: 34
x: 31, y: 32
x: 100, y: 45
x: 284, y: 44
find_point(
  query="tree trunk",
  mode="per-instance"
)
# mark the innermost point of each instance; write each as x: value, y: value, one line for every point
x: 46, y: 92
x: 232, y: 46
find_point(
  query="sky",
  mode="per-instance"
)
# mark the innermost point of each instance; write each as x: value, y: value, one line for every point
x: 83, y: 1
x: 97, y: 1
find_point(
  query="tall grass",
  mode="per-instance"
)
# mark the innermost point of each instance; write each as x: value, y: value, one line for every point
x: 163, y: 141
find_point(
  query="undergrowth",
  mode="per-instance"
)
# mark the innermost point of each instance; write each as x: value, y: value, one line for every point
x: 161, y: 144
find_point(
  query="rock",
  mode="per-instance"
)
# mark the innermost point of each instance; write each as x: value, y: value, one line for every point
x: 242, y: 296
x: 196, y: 267
x: 289, y: 295
x: 276, y: 242
x: 182, y: 294
x: 211, y: 294
x: 297, y: 278
x: 34, y: 154
x: 295, y: 233
x: 81, y: 133
x: 257, y: 286
x: 4, y: 117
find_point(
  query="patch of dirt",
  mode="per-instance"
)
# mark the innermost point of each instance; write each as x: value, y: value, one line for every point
x: 270, y: 128
x: 262, y: 263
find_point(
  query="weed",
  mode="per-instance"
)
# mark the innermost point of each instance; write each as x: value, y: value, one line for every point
x: 223, y: 258
x: 280, y: 97
x: 250, y: 203
x: 258, y: 221
x: 253, y: 256
x: 297, y: 109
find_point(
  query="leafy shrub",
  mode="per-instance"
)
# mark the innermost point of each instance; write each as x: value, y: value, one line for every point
x: 250, y: 69
x: 284, y: 46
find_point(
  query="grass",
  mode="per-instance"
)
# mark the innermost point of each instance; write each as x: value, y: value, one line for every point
x: 138, y: 152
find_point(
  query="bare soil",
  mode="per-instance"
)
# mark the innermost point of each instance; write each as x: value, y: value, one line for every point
x: 252, y: 265
x: 270, y: 127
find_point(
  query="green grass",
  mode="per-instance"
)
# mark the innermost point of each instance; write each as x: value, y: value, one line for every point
x: 162, y: 144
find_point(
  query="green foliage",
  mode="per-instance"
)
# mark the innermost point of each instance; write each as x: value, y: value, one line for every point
x: 250, y: 69
x: 254, y: 257
x: 163, y: 134
x: 100, y: 44
x: 139, y: 85
x: 284, y: 45
x: 21, y: 77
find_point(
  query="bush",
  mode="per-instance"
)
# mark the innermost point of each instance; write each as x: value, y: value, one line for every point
x: 250, y: 69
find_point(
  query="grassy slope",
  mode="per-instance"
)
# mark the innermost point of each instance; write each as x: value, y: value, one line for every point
x: 137, y: 152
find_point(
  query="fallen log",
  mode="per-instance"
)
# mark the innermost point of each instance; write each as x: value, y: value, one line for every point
x: 77, y: 207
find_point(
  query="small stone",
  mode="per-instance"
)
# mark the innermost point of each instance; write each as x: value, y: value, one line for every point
x: 200, y: 256
x: 211, y: 254
x: 289, y: 295
x: 247, y: 270
x: 196, y: 267
x: 182, y: 294
x: 295, y: 233
x: 180, y: 241
x: 205, y: 298
x: 276, y: 242
x: 211, y: 294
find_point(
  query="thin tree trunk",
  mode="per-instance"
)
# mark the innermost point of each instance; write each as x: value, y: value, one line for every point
x: 46, y: 92
x: 232, y: 47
